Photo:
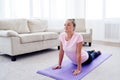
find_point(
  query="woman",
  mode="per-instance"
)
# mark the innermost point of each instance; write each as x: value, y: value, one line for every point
x: 71, y: 44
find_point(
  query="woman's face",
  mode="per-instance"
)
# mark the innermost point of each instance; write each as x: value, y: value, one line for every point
x: 69, y: 28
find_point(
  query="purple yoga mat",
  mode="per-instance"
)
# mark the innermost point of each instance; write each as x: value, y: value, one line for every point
x: 65, y: 73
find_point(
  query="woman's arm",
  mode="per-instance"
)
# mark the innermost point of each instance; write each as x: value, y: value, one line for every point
x: 79, y: 47
x: 61, y: 55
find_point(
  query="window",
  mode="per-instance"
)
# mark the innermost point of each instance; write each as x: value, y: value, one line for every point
x: 16, y: 8
x: 44, y: 9
x: 112, y: 9
x: 94, y: 9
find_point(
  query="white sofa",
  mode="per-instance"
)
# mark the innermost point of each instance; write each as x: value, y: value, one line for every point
x: 20, y: 36
x: 86, y: 32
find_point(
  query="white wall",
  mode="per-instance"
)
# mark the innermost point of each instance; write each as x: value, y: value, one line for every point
x: 98, y: 27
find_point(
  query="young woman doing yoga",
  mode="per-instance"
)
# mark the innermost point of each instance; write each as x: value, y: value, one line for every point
x: 71, y: 45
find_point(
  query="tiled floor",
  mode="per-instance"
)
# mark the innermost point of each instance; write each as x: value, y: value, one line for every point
x: 26, y: 65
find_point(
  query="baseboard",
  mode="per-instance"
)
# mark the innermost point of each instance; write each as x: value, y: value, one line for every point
x: 109, y: 43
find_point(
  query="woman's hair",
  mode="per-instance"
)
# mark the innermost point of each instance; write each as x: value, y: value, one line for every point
x: 73, y: 22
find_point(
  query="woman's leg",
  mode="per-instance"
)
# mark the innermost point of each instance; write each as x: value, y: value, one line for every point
x: 91, y: 51
x: 92, y: 56
x: 89, y: 59
x: 95, y: 54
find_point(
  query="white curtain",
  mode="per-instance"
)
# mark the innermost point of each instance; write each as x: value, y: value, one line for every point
x: 94, y: 9
x: 15, y: 9
x: 43, y: 9
x: 112, y: 9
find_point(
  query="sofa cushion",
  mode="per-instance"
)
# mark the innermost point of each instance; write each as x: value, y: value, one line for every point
x: 37, y: 25
x: 8, y: 33
x: 18, y: 25
x: 80, y: 25
x: 49, y: 35
x: 39, y: 36
x: 31, y: 37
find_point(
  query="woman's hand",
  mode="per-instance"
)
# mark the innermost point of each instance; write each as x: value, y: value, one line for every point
x: 75, y: 72
x: 56, y: 67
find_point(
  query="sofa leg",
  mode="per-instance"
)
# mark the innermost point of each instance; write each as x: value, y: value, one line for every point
x: 85, y: 43
x: 89, y: 43
x: 13, y: 58
x: 58, y: 47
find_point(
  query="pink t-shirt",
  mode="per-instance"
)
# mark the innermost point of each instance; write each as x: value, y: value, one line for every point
x: 70, y: 47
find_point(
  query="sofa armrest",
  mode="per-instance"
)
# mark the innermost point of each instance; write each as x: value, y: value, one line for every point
x: 89, y: 31
x: 8, y: 33
x: 9, y: 45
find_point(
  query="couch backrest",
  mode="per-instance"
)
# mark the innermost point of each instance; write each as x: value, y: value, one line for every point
x: 80, y: 25
x: 18, y: 25
x: 37, y: 25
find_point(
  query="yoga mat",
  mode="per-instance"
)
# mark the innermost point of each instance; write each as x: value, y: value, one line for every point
x: 65, y: 73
